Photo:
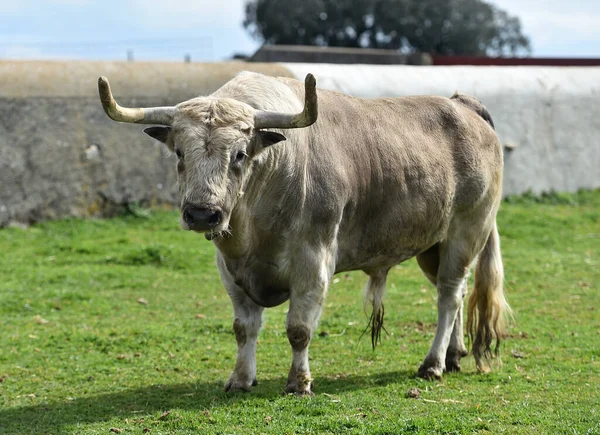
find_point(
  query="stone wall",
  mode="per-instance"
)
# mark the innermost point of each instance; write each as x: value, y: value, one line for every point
x: 60, y: 155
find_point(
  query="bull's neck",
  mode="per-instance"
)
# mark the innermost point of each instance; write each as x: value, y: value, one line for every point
x: 274, y: 192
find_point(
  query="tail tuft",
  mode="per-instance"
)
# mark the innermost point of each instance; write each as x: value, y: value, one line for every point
x: 376, y: 325
x: 374, y: 297
x: 487, y: 307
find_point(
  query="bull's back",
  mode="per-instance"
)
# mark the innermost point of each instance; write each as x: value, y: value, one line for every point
x: 399, y: 169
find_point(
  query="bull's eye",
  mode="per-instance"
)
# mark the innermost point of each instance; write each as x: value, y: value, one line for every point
x: 239, y: 157
x: 178, y: 153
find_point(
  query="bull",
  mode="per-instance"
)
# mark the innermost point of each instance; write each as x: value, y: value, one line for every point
x: 289, y: 201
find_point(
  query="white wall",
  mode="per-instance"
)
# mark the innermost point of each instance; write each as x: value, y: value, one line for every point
x: 551, y: 114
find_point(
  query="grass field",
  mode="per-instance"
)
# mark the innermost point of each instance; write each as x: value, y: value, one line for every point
x: 122, y: 326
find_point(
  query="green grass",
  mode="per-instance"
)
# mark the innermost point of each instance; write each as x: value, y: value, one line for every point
x: 124, y: 324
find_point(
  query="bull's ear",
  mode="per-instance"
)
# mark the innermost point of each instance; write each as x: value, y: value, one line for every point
x: 268, y: 138
x: 264, y: 139
x: 159, y: 133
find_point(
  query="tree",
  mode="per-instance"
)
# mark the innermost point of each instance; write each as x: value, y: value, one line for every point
x: 467, y: 27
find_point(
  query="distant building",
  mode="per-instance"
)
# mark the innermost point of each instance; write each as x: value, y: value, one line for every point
x: 512, y: 61
x: 373, y: 56
x: 340, y: 55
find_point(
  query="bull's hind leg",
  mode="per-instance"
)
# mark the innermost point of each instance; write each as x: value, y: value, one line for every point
x: 465, y: 239
x: 450, y: 280
x: 456, y: 347
x: 429, y: 261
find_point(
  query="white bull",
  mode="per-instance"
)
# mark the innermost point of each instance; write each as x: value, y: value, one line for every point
x: 370, y: 184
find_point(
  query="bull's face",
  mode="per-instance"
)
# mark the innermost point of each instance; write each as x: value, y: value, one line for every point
x: 216, y: 144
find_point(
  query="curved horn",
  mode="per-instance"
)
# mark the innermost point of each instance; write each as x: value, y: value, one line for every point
x: 308, y: 116
x: 151, y: 115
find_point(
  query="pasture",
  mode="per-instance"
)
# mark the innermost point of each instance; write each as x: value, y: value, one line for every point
x: 122, y: 326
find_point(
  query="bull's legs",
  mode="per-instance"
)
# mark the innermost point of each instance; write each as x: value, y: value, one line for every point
x: 466, y: 238
x: 306, y: 303
x: 455, y: 256
x: 429, y: 262
x: 456, y: 347
x: 246, y: 326
x: 449, y: 303
x: 302, y: 319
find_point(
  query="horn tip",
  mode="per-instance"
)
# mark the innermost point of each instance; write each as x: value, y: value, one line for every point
x: 103, y: 85
x: 310, y: 80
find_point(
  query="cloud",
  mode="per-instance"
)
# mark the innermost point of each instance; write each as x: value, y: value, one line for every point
x: 556, y: 24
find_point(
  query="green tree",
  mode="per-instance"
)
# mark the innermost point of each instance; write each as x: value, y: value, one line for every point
x: 468, y: 27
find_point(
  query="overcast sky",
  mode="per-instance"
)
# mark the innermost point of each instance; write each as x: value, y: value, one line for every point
x: 212, y: 30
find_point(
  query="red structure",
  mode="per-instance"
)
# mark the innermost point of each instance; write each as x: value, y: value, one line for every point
x: 512, y: 61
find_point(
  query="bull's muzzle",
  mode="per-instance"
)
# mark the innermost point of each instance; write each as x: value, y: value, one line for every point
x: 201, y: 219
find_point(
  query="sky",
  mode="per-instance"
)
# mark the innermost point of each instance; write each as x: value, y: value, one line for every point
x: 211, y: 30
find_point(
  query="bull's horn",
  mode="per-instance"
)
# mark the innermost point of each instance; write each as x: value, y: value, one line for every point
x: 308, y: 116
x: 151, y: 115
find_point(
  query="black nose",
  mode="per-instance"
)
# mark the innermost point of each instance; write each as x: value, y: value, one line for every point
x: 201, y: 219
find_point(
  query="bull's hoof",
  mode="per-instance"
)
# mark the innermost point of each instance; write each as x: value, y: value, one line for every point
x: 430, y: 373
x: 233, y: 385
x: 452, y: 366
x: 453, y: 360
x: 299, y: 383
x: 300, y: 392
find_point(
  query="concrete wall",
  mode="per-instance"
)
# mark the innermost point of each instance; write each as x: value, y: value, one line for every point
x: 60, y: 155
x: 550, y: 116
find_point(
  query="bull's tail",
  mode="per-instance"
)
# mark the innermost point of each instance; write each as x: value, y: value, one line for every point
x: 374, y: 297
x: 487, y: 306
x: 475, y: 105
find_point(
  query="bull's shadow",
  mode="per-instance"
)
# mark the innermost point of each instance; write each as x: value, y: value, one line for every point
x: 52, y: 417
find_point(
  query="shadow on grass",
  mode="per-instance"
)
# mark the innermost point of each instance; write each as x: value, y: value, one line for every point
x: 52, y: 417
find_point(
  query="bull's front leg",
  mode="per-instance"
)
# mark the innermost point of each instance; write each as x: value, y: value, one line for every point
x: 306, y: 303
x: 246, y: 326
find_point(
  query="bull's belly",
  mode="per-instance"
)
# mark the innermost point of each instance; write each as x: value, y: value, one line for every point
x: 380, y: 250
x: 391, y: 233
x: 368, y: 261
x: 265, y: 275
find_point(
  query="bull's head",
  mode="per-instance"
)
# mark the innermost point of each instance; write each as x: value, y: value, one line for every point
x: 215, y: 140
